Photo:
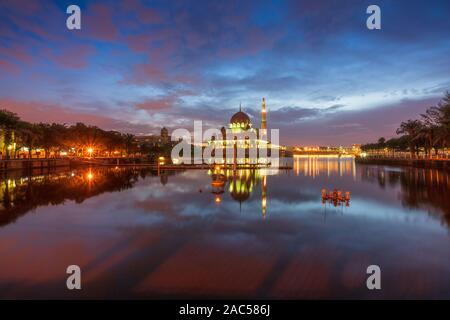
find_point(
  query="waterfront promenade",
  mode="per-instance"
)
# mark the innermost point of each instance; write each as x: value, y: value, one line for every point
x: 420, y: 162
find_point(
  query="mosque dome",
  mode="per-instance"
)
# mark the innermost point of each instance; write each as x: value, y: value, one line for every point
x: 241, y: 120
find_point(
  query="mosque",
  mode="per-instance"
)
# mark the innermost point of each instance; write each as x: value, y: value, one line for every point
x: 245, y: 136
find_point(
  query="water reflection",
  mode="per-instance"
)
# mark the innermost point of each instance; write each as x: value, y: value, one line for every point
x: 240, y: 185
x: 225, y: 234
x: 315, y: 166
x: 20, y: 194
x: 427, y: 189
x: 417, y: 188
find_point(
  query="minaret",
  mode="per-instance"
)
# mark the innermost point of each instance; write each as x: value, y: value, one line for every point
x: 263, y: 115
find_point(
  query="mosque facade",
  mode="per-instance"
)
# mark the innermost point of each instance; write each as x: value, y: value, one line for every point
x: 241, y: 134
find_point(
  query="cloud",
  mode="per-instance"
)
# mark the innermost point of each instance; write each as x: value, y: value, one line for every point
x: 74, y: 56
x: 35, y: 111
x: 9, y: 67
x: 156, y: 104
x: 292, y: 115
x: 18, y: 52
x: 99, y: 23
x: 308, y: 58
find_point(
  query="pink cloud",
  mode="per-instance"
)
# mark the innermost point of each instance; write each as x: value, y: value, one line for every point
x: 157, y: 104
x: 28, y: 7
x: 34, y: 111
x: 99, y: 23
x: 164, y: 102
x: 140, y: 42
x: 33, y: 16
x: 18, y: 52
x: 149, y: 16
x: 75, y: 57
x: 9, y: 67
x: 144, y: 14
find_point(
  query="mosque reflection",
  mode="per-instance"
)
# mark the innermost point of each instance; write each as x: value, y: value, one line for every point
x: 240, y: 185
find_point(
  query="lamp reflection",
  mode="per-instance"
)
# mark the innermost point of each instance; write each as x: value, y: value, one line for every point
x: 314, y: 166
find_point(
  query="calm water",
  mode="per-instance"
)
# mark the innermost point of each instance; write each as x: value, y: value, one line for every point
x: 262, y: 234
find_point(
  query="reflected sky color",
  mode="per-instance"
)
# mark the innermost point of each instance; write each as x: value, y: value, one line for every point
x: 138, y: 65
x: 136, y: 234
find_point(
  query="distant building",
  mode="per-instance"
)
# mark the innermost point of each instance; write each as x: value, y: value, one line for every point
x: 155, y: 140
x: 165, y: 135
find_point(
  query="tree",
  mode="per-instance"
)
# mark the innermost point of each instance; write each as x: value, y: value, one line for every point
x: 128, y: 139
x: 411, y: 128
x: 8, y: 123
x: 51, y: 137
x: 112, y: 140
x: 29, y: 135
x: 438, y: 118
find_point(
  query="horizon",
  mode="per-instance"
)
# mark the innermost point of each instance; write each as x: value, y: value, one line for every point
x: 137, y: 66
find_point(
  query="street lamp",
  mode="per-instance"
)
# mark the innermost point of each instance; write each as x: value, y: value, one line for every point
x: 90, y: 151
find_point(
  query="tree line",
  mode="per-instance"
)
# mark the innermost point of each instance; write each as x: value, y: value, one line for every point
x: 78, y: 139
x: 430, y: 132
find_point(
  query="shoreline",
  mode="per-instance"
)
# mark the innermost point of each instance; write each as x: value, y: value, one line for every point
x: 32, y: 164
x: 443, y: 164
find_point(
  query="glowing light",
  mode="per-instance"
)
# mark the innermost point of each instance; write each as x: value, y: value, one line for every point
x: 218, y: 199
x: 90, y: 150
x: 90, y: 176
x: 10, y: 147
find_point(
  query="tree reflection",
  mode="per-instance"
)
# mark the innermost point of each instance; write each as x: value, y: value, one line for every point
x: 21, y: 194
x: 419, y: 188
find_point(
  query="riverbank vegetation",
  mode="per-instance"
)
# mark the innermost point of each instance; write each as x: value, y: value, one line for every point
x: 21, y: 139
x: 429, y: 134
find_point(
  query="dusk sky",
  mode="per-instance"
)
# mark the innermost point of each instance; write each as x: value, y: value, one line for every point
x: 136, y: 66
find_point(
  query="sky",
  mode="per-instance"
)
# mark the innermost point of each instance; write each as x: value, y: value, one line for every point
x: 136, y: 66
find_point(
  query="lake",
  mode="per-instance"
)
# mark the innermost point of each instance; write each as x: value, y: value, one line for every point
x: 257, y: 234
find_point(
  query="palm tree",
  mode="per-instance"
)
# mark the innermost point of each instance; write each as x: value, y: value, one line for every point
x: 411, y: 128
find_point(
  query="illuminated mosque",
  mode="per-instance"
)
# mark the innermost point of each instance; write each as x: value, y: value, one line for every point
x: 242, y: 182
x: 246, y: 137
